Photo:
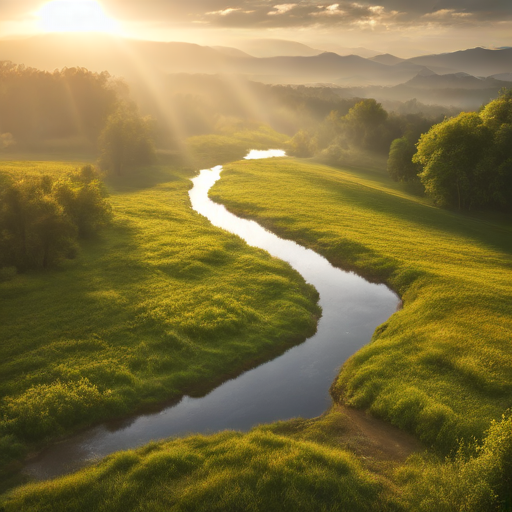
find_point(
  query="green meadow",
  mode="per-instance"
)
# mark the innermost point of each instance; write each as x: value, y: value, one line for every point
x: 272, y: 468
x: 160, y: 304
x: 441, y: 367
x: 163, y: 303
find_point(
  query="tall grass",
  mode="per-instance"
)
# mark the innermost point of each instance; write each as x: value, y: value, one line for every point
x: 259, y: 471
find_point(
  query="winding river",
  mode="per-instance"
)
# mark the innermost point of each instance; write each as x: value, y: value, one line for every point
x: 291, y: 385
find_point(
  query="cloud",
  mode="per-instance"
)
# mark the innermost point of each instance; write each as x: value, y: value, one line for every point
x: 306, y: 13
x: 330, y: 10
x: 281, y: 9
x: 265, y: 14
x: 224, y: 12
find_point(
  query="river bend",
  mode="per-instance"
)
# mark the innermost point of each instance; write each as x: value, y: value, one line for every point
x: 291, y: 385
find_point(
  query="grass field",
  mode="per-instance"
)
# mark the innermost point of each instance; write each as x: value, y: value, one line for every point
x: 440, y: 368
x: 274, y: 468
x: 160, y: 305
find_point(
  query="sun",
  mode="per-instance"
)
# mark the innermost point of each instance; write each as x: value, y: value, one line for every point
x: 75, y: 16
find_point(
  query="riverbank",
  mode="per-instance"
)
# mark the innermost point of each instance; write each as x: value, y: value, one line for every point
x: 160, y: 305
x: 440, y: 368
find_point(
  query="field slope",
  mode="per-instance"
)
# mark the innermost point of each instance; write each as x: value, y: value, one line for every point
x: 441, y: 367
x: 161, y: 304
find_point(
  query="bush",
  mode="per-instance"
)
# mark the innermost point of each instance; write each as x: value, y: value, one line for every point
x: 41, y: 219
x: 51, y: 408
x: 477, y: 478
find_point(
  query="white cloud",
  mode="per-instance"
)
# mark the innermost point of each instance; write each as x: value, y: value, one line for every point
x: 446, y: 14
x: 224, y: 12
x: 330, y: 10
x: 282, y: 8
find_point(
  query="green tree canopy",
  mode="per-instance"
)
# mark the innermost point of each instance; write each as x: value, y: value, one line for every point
x: 467, y: 160
x: 302, y: 145
x: 125, y: 142
x: 41, y: 218
x: 400, y: 165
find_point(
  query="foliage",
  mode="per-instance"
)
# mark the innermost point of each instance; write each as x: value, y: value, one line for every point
x: 400, y: 165
x: 480, y: 480
x: 126, y: 142
x: 41, y: 218
x: 302, y: 145
x: 467, y: 160
x: 83, y: 197
x: 34, y: 230
x: 36, y: 106
x: 365, y: 126
x: 367, y: 130
x: 48, y: 409
x: 441, y: 367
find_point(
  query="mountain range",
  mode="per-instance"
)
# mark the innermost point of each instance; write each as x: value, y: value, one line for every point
x: 135, y: 58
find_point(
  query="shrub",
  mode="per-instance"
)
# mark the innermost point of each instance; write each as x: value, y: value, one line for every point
x: 51, y: 408
x: 477, y: 478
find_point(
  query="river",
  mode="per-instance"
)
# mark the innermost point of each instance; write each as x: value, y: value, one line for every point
x: 291, y: 385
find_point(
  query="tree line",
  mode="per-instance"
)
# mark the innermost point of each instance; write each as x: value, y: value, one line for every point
x: 463, y: 162
x: 72, y: 103
x: 364, y: 127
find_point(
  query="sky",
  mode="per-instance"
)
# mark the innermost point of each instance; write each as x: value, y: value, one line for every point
x: 401, y: 27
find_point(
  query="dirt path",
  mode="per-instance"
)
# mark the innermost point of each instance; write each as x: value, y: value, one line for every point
x: 371, y: 437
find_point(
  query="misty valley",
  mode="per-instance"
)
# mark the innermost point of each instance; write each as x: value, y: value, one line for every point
x: 255, y: 257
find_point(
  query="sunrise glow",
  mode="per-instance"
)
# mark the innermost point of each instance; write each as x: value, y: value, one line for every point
x: 75, y: 16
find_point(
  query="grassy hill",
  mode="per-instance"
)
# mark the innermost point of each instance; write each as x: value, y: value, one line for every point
x: 441, y: 367
x: 160, y: 305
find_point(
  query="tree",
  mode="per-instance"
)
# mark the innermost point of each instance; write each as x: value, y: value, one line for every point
x: 125, y: 142
x: 400, y: 165
x: 34, y: 230
x: 83, y: 197
x: 302, y: 145
x: 364, y: 125
x: 467, y: 160
x: 41, y: 219
x: 450, y: 154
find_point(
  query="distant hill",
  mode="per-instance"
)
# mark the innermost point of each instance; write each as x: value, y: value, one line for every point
x: 120, y: 56
x: 455, y: 81
x: 503, y: 76
x: 456, y: 89
x: 343, y: 50
x: 327, y: 67
x: 476, y: 61
x: 387, y: 58
x: 143, y: 61
x: 231, y: 52
x: 277, y: 48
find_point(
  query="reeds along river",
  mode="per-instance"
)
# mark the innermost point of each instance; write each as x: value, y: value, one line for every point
x: 294, y: 384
